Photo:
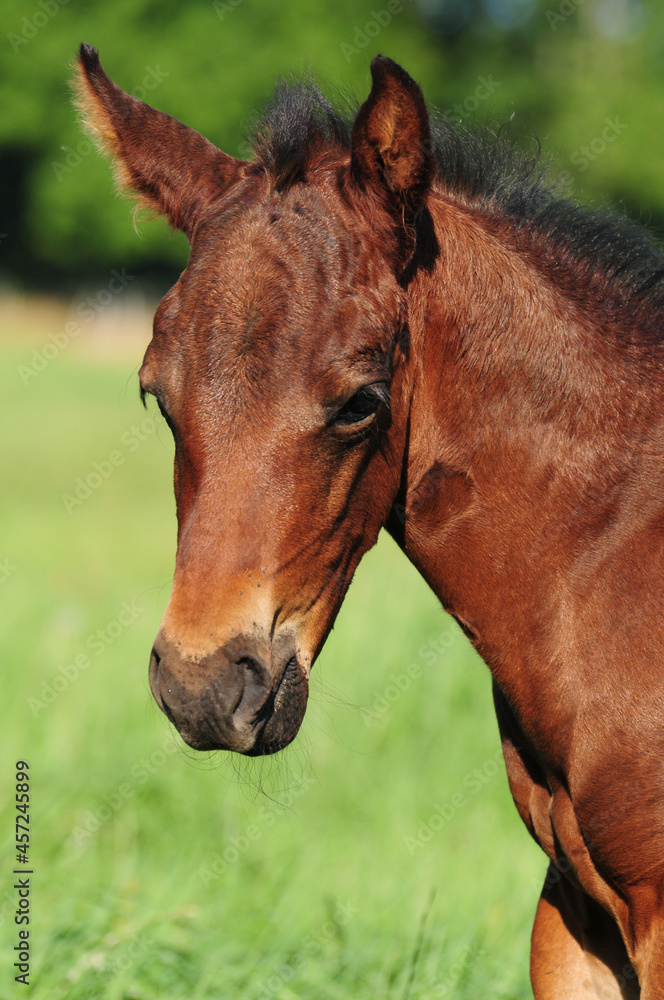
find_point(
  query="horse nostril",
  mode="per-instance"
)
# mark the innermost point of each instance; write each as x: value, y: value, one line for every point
x: 155, y: 685
x: 256, y: 690
x: 153, y: 675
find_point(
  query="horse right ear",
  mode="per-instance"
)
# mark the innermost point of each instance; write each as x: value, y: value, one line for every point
x: 391, y: 150
x: 171, y: 168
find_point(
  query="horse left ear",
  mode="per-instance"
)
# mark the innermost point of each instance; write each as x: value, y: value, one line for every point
x: 391, y: 150
x: 172, y: 169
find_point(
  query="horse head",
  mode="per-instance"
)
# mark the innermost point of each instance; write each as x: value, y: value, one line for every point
x: 280, y: 361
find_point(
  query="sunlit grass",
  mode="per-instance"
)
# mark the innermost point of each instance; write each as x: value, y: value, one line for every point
x: 378, y: 856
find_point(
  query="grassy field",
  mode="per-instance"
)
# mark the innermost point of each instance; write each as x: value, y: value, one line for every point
x: 379, y: 856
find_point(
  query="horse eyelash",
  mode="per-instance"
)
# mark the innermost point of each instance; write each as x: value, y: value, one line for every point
x: 144, y: 393
x: 382, y: 390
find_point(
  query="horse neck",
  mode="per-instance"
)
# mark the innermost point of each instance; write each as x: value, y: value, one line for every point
x: 521, y: 452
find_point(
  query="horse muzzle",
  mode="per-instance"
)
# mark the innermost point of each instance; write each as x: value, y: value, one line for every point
x: 229, y: 699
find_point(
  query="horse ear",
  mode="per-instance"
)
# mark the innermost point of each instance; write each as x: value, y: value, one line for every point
x: 391, y: 141
x: 172, y: 169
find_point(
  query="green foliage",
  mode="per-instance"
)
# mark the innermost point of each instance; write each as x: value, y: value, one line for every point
x: 380, y: 849
x: 211, y: 65
x: 563, y: 68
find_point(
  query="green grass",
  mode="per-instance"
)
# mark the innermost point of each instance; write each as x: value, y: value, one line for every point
x: 330, y: 881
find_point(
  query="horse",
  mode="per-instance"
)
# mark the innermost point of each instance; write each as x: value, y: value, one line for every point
x: 390, y: 320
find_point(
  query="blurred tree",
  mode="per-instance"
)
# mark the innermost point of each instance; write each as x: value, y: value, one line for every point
x: 586, y: 75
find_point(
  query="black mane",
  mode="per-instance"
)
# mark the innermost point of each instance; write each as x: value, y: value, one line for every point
x: 297, y: 122
x: 486, y: 169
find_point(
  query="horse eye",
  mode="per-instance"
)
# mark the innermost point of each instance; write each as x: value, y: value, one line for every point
x: 162, y: 409
x: 361, y: 406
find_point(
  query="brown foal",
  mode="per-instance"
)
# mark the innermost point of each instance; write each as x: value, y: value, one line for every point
x: 386, y: 322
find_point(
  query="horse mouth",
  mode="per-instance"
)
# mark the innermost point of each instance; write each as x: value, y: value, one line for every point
x: 279, y: 719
